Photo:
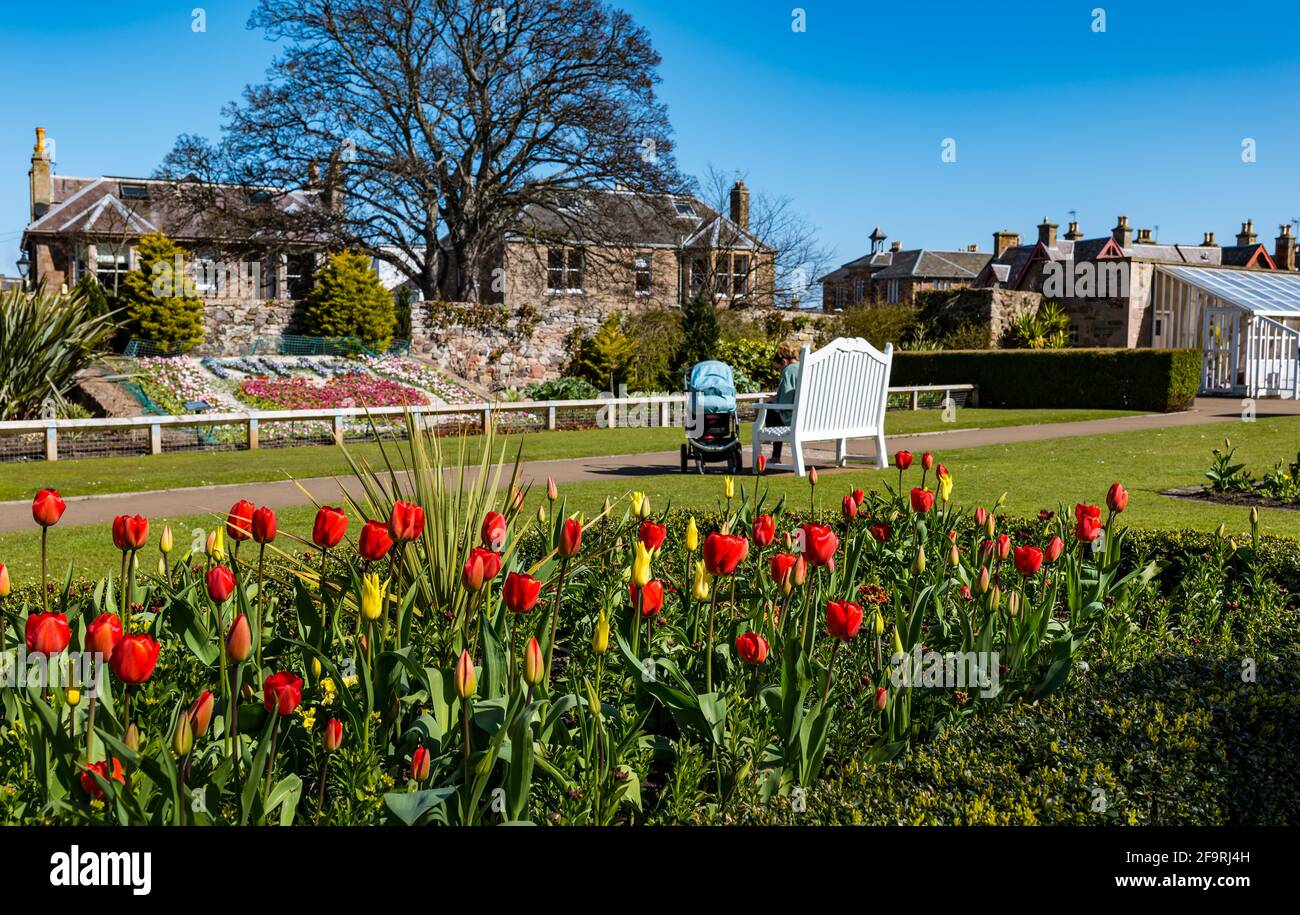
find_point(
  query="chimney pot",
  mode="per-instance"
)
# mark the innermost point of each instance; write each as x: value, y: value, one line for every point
x: 1247, y: 234
x: 1209, y: 241
x: 740, y: 205
x: 42, y: 181
x: 1284, y: 249
x: 1074, y: 234
x: 896, y: 246
x: 1123, y: 232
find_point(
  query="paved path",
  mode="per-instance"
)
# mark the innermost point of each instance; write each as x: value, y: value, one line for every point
x: 626, y: 468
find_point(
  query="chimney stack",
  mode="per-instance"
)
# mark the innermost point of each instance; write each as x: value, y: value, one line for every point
x: 1208, y: 241
x: 740, y: 205
x: 42, y: 182
x: 1003, y: 240
x: 1144, y: 237
x: 1047, y: 233
x: 332, y: 189
x: 1074, y: 234
x: 1247, y: 234
x: 1284, y: 250
x: 896, y: 246
x: 1123, y: 232
x: 973, y: 249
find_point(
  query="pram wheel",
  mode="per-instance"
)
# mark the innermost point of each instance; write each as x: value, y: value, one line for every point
x: 685, y: 458
x: 735, y: 462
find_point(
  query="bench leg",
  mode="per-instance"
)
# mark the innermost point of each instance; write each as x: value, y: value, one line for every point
x: 755, y: 447
x: 881, y: 461
x: 842, y: 452
x: 797, y: 448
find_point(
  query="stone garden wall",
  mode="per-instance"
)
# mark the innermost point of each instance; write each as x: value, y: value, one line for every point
x: 232, y: 325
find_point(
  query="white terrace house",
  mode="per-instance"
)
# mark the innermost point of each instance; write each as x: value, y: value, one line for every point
x: 1245, y: 322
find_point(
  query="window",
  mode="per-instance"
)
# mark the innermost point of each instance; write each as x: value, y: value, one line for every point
x: 722, y: 275
x: 891, y: 292
x: 740, y: 274
x: 564, y: 269
x: 684, y: 208
x: 641, y: 269
x: 555, y: 270
x: 111, y: 269
x: 299, y: 274
x: 135, y: 192
x: 699, y: 275
x: 859, y: 290
x: 841, y: 294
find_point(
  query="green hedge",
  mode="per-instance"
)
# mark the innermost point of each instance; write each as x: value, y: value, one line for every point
x: 1119, y: 379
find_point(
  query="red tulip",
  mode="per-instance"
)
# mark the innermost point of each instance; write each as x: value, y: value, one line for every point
x: 882, y: 531
x: 1054, y: 548
x: 520, y: 592
x: 1087, y: 527
x: 239, y: 642
x: 48, y: 507
x: 239, y: 523
x: 752, y: 648
x: 763, y: 531
x: 724, y: 552
x: 134, y: 658
x: 471, y: 576
x: 922, y: 500
x: 848, y: 507
x: 859, y: 496
x: 420, y: 764
x: 201, y: 713
x: 651, y: 535
x: 264, y: 528
x: 493, y: 532
x: 283, y: 692
x: 903, y: 460
x: 330, y: 526
x: 491, y: 562
x: 130, y: 532
x: 783, y: 564
x: 103, y: 634
x: 927, y: 461
x: 221, y: 584
x: 819, y: 544
x: 374, y: 542
x: 1004, y: 546
x: 761, y: 463
x: 1028, y: 559
x: 1117, y: 498
x: 332, y: 737
x: 406, y: 522
x: 981, y: 515
x: 942, y: 471
x: 652, y: 597
x: 882, y: 697
x: 102, y: 768
x: 570, y: 538
x: 843, y: 619
x: 47, y: 633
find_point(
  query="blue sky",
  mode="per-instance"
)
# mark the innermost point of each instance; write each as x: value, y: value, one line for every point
x: 847, y: 117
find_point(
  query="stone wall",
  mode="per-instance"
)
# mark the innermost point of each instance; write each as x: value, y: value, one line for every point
x: 232, y: 325
x: 996, y: 309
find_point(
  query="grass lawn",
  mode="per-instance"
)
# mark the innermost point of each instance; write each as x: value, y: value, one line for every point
x: 168, y: 471
x: 1034, y: 475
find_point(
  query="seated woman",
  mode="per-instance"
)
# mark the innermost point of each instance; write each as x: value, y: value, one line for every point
x: 786, y: 361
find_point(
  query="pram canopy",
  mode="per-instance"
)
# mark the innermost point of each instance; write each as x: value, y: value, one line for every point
x: 712, y: 388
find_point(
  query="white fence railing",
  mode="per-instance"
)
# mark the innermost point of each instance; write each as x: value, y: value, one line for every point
x: 198, y: 431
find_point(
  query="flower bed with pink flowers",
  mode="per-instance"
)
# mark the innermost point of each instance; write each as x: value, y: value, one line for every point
x: 339, y: 391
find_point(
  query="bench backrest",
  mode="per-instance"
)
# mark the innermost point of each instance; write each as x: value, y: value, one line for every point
x: 843, y: 388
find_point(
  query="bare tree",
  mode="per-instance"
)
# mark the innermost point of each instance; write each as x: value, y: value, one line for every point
x: 796, y: 257
x: 432, y: 123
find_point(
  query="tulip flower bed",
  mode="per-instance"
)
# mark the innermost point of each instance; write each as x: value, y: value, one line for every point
x: 429, y: 654
x: 355, y: 390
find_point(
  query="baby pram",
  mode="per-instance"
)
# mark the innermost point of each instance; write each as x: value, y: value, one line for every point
x: 712, y: 429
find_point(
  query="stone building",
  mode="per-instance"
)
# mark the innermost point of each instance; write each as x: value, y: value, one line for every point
x: 91, y: 226
x: 897, y: 275
x: 1105, y: 284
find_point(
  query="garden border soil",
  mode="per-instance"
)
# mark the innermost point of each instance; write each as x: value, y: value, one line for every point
x: 1238, y: 499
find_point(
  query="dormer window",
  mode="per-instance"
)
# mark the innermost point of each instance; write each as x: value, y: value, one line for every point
x: 685, y: 209
x: 135, y: 191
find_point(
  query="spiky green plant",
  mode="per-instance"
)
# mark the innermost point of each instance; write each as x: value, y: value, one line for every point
x: 45, y: 341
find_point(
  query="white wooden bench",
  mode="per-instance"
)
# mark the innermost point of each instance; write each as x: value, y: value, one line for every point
x: 841, y: 394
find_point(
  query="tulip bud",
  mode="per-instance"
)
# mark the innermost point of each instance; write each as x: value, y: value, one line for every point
x: 183, y: 735
x: 72, y: 696
x: 1232, y: 544
x: 995, y: 598
x: 200, y: 713
x: 700, y: 590
x: 882, y: 698
x: 246, y: 692
x: 880, y: 624
x: 466, y: 681
x: 419, y: 764
x: 332, y: 737
x: 641, y: 573
x: 644, y: 511
x: 990, y: 524
x: 609, y: 506
x: 239, y: 642
x: 898, y: 642
x: 729, y: 487
x: 315, y: 668
x: 954, y: 556
x: 4, y: 581
x: 216, y: 546
x: 692, y: 538
x: 812, y: 476
x: 372, y: 596
x: 166, y: 541
x: 541, y: 514
x: 552, y: 491
x: 918, y: 564
x: 1013, y: 603
x: 132, y: 738
x: 1222, y: 531
x: 761, y: 463
x: 600, y: 638
x: 800, y: 572
x: 982, y: 586
x: 534, y: 666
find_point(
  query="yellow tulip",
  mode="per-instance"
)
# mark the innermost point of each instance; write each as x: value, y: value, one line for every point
x: 641, y: 574
x: 216, y: 544
x: 700, y: 591
x: 541, y: 514
x: 945, y: 487
x: 183, y: 736
x: 918, y: 566
x: 600, y: 638
x: 466, y: 678
x: 729, y: 486
x: 315, y: 667
x: 166, y: 541
x: 692, y: 535
x: 373, y: 594
x: 640, y: 505
x: 72, y: 696
x: 880, y: 624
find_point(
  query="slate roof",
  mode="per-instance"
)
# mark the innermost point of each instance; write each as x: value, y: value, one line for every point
x: 1007, y: 266
x: 101, y: 206
x: 918, y: 264
x: 620, y: 217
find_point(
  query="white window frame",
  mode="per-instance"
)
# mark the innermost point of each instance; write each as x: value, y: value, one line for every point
x: 891, y: 292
